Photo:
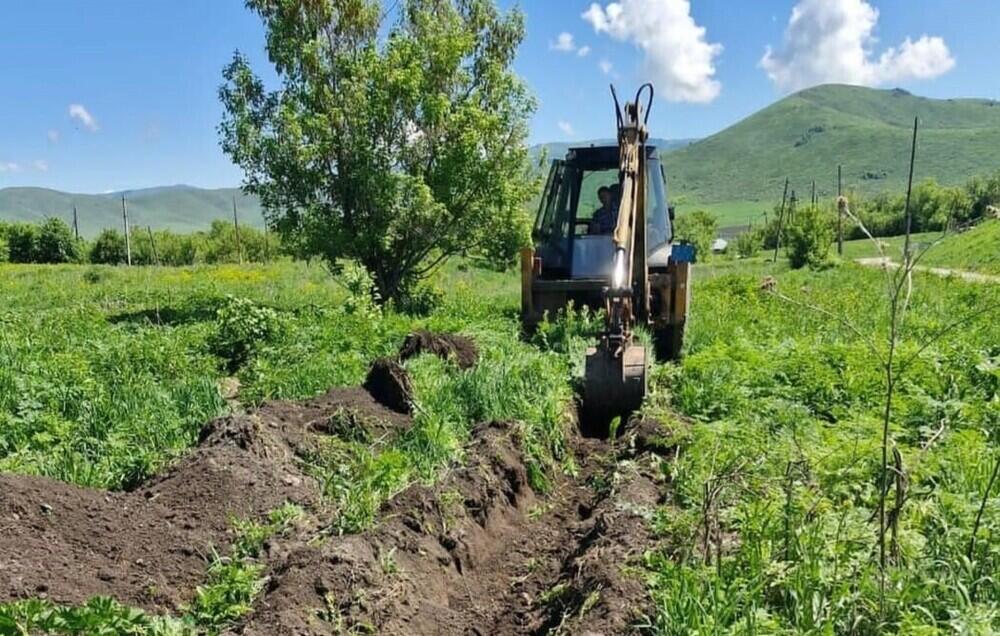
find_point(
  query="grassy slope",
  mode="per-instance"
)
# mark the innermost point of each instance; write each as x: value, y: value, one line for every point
x: 180, y: 208
x: 976, y: 250
x: 865, y: 130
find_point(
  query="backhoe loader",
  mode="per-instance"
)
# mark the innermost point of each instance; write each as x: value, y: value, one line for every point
x: 629, y: 267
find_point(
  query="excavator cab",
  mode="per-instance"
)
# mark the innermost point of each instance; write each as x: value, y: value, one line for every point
x: 565, y: 241
x: 571, y: 262
x: 603, y: 238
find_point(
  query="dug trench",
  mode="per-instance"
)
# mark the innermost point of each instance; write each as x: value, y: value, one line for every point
x: 479, y: 552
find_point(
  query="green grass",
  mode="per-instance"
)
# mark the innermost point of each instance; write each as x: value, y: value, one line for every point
x: 806, y: 135
x: 108, y: 374
x: 784, y: 433
x: 732, y: 213
x: 976, y: 250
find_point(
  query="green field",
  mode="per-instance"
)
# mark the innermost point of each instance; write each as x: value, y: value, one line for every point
x: 107, y: 374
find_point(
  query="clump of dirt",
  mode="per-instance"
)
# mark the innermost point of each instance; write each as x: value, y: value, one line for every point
x: 460, y: 349
x: 389, y: 383
x: 149, y: 547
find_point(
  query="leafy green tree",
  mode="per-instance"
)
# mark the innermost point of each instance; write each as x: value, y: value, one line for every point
x: 22, y: 243
x: 56, y: 243
x: 699, y: 229
x: 397, y: 146
x: 108, y: 248
x: 809, y: 237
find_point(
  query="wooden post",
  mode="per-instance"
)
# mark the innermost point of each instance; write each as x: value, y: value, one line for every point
x: 128, y: 240
x: 840, y: 214
x: 236, y: 225
x: 813, y: 200
x: 267, y: 244
x: 76, y: 224
x: 781, y: 218
x: 152, y: 245
x: 907, y: 212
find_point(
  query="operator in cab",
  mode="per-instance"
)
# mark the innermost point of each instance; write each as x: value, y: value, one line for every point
x: 606, y: 217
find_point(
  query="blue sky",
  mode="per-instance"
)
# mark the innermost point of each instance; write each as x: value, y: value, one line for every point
x: 140, y: 77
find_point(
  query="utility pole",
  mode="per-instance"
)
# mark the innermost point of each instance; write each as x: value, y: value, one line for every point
x: 76, y: 224
x: 840, y: 214
x: 236, y: 225
x: 152, y: 245
x: 128, y: 240
x: 781, y: 218
x: 814, y: 194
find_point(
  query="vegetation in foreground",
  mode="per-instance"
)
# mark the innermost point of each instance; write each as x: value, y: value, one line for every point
x: 774, y: 515
x: 769, y: 526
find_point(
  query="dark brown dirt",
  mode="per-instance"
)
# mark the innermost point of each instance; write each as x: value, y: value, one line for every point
x: 149, y: 547
x: 481, y: 553
x: 389, y: 383
x: 460, y: 349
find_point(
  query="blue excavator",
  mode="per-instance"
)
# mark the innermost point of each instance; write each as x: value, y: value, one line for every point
x: 603, y: 238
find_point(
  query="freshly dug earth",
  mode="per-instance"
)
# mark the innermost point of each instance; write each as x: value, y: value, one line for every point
x: 149, y: 548
x: 460, y: 349
x: 481, y: 553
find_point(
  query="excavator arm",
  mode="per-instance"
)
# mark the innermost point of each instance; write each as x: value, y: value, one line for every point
x: 616, y: 369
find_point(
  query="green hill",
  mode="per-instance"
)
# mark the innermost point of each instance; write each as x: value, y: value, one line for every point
x: 180, y: 208
x: 804, y: 137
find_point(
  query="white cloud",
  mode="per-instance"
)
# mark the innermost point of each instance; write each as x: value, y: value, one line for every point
x: 9, y: 166
x: 832, y: 41
x: 606, y: 67
x: 566, y: 128
x: 583, y: 51
x: 77, y: 111
x: 53, y: 135
x: 679, y: 60
x: 40, y: 165
x: 563, y: 43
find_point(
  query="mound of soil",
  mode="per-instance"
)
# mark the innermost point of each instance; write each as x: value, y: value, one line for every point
x: 389, y: 383
x: 460, y: 349
x: 149, y: 548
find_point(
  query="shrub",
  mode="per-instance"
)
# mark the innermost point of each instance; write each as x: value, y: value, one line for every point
x: 108, y: 248
x: 56, y: 243
x: 697, y: 228
x: 420, y: 300
x: 22, y: 243
x: 242, y: 328
x: 748, y: 244
x: 809, y: 238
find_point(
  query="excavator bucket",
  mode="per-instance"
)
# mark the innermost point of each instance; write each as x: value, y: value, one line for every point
x: 614, y: 386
